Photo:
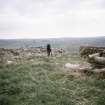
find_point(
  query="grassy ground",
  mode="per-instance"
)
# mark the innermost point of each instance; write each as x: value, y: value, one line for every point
x: 43, y: 82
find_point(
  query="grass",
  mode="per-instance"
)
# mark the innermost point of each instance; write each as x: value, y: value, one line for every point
x: 44, y: 83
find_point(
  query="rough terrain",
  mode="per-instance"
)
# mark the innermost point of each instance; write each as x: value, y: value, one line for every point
x: 38, y: 80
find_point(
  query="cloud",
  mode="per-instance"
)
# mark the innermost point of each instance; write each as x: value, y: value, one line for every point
x: 41, y: 18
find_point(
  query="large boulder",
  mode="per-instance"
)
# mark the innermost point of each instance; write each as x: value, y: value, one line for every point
x: 85, y: 51
x: 95, y: 58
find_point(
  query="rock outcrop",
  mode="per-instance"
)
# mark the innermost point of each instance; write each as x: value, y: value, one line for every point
x: 24, y: 54
x: 85, y: 51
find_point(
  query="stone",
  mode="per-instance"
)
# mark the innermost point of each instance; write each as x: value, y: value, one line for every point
x: 100, y: 73
x: 9, y: 62
x: 72, y: 66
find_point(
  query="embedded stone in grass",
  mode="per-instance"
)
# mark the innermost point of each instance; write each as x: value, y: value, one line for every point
x: 32, y: 60
x: 82, y: 68
x: 72, y: 66
x: 9, y: 62
x: 99, y: 72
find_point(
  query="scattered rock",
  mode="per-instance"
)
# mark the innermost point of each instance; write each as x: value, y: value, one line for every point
x: 82, y: 68
x: 31, y: 60
x: 86, y: 68
x: 87, y: 50
x: 95, y: 58
x: 23, y: 54
x: 99, y: 73
x: 72, y: 66
x: 94, y: 55
x: 9, y: 62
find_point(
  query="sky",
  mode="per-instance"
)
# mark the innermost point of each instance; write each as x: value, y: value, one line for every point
x: 51, y: 18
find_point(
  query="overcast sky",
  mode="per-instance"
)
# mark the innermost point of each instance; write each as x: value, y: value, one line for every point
x: 51, y: 18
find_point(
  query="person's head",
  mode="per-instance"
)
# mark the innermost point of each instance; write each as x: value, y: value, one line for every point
x: 48, y: 46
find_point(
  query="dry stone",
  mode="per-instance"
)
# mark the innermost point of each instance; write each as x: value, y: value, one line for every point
x: 22, y: 54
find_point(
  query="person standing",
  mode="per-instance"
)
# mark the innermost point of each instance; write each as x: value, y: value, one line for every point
x: 48, y: 50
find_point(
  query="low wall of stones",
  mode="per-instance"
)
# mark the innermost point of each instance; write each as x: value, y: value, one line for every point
x: 87, y: 50
x: 22, y: 54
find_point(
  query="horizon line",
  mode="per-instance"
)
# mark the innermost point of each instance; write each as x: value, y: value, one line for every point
x: 52, y: 37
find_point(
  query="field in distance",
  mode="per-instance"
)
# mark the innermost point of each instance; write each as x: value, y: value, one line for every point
x: 69, y: 44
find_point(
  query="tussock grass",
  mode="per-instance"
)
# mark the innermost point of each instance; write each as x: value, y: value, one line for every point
x: 43, y: 83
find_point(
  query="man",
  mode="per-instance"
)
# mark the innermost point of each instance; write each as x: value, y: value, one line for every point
x: 48, y: 50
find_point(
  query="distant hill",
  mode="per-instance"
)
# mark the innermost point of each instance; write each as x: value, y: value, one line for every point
x: 69, y: 44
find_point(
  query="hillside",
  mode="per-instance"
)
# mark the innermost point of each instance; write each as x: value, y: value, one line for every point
x: 45, y: 81
x: 69, y: 44
x: 29, y: 77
